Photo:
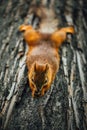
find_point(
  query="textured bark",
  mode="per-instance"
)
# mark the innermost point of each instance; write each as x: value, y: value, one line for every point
x: 64, y: 106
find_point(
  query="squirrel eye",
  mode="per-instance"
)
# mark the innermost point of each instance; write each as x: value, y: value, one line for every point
x: 45, y: 81
x: 32, y: 79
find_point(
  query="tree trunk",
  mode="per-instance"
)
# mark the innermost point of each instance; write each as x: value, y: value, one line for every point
x: 64, y: 106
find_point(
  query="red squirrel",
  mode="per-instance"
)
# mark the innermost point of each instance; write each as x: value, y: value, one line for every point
x: 42, y: 58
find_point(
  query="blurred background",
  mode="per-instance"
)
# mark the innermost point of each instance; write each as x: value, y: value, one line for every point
x: 64, y: 106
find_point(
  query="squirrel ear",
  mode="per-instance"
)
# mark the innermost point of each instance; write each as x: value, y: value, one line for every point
x: 40, y: 67
x: 61, y: 35
x: 25, y: 27
x: 47, y: 66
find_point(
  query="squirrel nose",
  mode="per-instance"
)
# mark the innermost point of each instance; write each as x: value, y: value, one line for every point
x: 37, y: 94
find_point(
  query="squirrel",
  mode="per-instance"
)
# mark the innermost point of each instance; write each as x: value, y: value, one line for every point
x: 43, y: 58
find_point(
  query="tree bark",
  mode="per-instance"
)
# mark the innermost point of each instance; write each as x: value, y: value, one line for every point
x: 64, y: 106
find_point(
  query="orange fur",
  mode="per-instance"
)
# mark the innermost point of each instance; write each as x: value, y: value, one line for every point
x: 43, y: 58
x: 61, y: 35
x: 30, y: 35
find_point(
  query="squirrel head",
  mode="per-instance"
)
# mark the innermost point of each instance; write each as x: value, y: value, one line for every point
x: 40, y: 79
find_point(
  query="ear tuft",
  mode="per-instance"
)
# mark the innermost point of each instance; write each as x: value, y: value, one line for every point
x: 47, y: 66
x: 40, y: 67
